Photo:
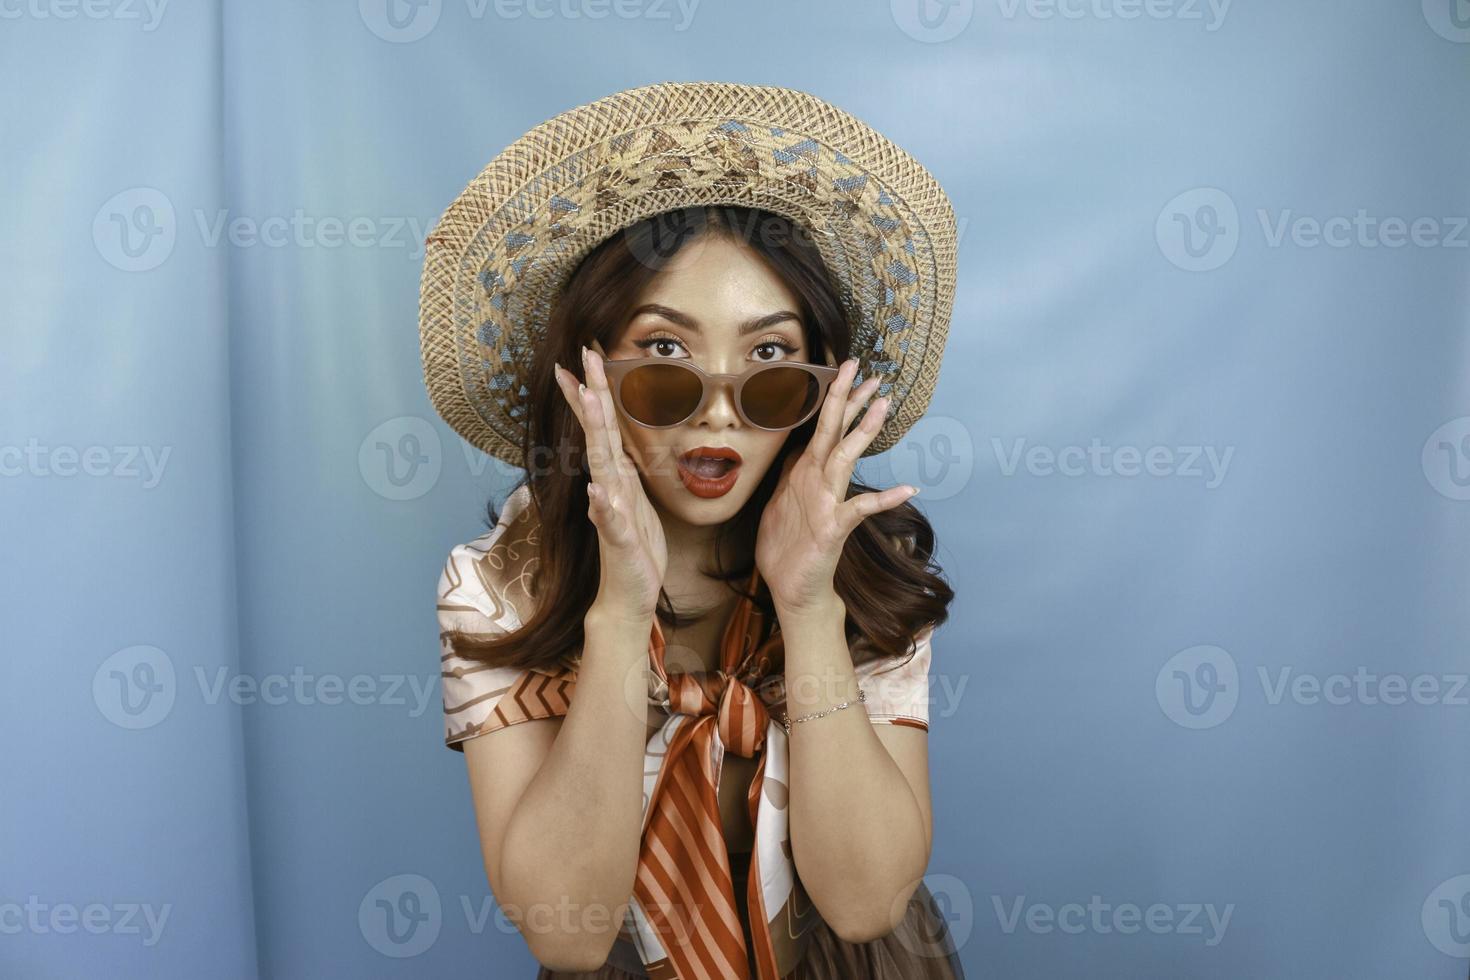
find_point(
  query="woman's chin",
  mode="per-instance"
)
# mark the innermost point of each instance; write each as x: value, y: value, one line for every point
x: 684, y: 504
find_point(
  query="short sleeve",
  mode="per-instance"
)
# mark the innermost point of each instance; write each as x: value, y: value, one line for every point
x: 898, y: 692
x: 472, y: 600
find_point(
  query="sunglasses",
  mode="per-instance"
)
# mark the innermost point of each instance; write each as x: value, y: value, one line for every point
x: 659, y: 393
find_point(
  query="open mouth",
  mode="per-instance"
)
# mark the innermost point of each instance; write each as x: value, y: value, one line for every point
x: 709, y: 467
x: 709, y: 471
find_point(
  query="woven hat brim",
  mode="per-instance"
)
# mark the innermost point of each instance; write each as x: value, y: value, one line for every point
x: 500, y: 255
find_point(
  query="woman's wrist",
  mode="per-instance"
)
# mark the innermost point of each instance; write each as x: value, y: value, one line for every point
x: 607, y: 615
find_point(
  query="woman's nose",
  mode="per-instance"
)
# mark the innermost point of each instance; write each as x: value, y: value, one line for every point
x: 719, y: 408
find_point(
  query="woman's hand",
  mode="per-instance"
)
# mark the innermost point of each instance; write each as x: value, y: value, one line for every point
x: 807, y: 520
x: 631, y: 546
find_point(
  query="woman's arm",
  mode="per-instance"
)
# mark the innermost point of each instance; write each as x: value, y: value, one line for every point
x: 559, y: 803
x: 860, y: 811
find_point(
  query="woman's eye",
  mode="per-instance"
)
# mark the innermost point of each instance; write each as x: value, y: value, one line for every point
x: 772, y: 346
x: 660, y: 343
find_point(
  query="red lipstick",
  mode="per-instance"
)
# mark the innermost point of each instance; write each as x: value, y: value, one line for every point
x: 709, y: 471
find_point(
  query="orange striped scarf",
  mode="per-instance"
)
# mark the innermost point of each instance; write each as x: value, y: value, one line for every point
x: 684, y: 921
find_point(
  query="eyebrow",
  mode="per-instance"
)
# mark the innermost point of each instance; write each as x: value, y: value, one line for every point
x: 750, y: 326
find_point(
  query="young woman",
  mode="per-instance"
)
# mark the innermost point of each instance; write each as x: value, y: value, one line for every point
x: 688, y: 665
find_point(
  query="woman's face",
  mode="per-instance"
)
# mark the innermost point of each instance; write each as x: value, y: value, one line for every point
x: 695, y: 309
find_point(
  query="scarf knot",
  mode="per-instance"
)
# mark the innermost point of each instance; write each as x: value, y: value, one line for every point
x: 740, y: 715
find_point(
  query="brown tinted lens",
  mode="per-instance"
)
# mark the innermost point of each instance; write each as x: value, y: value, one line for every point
x: 778, y: 397
x: 660, y: 394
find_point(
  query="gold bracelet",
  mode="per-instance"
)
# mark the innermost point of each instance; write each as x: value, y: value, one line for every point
x: 786, y: 723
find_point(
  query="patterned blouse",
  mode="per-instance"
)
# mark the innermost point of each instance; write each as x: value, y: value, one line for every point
x: 736, y: 708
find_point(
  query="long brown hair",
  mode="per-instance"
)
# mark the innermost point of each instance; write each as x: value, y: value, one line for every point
x: 886, y: 576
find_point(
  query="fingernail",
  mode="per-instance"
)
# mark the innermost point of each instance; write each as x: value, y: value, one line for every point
x: 913, y: 491
x: 584, y: 355
x: 581, y: 388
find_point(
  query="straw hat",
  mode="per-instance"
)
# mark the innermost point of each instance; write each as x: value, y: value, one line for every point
x: 500, y: 255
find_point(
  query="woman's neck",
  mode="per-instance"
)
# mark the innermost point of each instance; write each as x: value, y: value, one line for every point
x: 691, y: 551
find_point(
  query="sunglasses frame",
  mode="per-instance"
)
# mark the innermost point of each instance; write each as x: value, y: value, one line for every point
x: 617, y: 370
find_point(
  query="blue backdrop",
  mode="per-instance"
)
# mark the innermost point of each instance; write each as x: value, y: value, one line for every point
x: 1199, y: 462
